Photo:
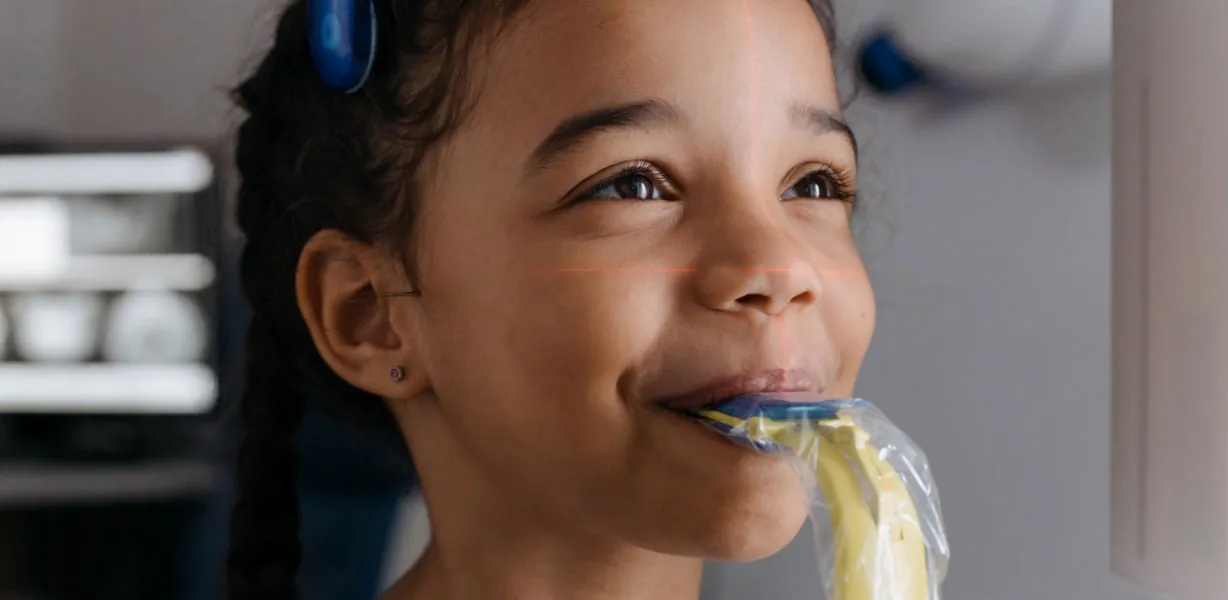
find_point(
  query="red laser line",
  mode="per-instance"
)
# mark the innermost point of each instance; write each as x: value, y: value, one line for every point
x: 756, y: 124
x: 691, y: 270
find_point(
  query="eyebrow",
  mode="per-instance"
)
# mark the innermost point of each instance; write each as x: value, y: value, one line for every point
x: 576, y: 131
x: 821, y: 121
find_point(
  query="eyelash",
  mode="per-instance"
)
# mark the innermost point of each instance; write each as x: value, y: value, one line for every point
x: 838, y: 180
x: 639, y: 167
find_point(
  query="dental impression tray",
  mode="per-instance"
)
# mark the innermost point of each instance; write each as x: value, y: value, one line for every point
x: 874, y: 543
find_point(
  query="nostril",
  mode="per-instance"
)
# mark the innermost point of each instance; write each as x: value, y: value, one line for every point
x: 766, y: 303
x: 757, y: 301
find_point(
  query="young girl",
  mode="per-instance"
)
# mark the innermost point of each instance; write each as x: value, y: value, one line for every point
x: 540, y: 231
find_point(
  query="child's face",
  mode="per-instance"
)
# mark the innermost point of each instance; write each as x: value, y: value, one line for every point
x: 552, y: 327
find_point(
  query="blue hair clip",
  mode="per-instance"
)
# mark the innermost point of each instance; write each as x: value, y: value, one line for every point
x: 342, y: 34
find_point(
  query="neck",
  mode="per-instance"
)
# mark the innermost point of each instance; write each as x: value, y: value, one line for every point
x: 445, y: 573
x: 513, y: 558
x: 484, y: 544
x: 487, y: 543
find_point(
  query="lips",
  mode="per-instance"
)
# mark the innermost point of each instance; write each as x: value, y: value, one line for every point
x: 757, y: 382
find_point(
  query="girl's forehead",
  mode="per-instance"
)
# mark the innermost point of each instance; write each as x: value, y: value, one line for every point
x: 627, y: 42
x: 717, y: 61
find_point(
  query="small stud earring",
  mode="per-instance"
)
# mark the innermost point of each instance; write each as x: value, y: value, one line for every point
x: 397, y: 373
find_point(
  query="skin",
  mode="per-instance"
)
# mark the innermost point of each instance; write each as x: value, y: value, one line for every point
x: 547, y: 331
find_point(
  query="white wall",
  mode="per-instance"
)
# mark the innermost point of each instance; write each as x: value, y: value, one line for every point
x: 992, y: 349
x: 124, y: 68
x: 30, y: 50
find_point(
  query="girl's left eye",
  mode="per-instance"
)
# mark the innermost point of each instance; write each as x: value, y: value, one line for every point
x: 629, y: 185
x: 816, y: 185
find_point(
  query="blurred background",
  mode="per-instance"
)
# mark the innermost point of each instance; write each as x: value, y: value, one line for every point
x: 987, y: 235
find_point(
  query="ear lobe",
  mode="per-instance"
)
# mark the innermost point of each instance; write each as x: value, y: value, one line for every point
x: 340, y: 287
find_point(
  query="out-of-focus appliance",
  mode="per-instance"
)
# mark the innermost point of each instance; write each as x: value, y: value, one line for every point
x: 110, y: 296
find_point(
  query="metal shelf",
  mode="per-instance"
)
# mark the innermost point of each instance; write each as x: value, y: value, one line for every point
x: 177, y: 272
x: 182, y: 170
x: 37, y: 485
x: 107, y: 388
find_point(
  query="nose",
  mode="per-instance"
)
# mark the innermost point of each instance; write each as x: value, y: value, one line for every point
x: 753, y: 264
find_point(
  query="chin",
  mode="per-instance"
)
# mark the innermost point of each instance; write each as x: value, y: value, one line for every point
x: 740, y: 522
x: 752, y: 534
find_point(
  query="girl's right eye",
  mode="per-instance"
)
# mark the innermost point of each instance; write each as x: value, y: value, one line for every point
x: 632, y: 186
x: 637, y: 181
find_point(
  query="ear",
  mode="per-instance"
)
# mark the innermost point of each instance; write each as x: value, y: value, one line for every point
x: 348, y: 292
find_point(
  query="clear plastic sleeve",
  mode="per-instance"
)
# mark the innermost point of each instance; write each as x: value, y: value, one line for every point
x: 873, y: 503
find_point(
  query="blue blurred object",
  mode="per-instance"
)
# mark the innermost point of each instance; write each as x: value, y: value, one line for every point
x: 352, y: 485
x: 345, y: 537
x: 886, y: 68
x: 343, y: 35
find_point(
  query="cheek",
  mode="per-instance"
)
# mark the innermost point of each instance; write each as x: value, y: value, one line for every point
x: 847, y: 304
x: 527, y: 360
x: 849, y: 313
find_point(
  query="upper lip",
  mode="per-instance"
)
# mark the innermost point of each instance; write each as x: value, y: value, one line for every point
x: 753, y: 382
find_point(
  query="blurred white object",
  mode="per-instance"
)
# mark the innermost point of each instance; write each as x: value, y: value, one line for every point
x: 155, y: 327
x: 987, y: 45
x: 123, y: 224
x: 102, y: 388
x: 4, y: 334
x: 177, y: 171
x: 35, y: 237
x: 56, y: 327
x: 1170, y: 297
x: 121, y: 272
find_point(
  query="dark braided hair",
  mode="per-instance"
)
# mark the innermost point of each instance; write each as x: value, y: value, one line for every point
x: 310, y: 159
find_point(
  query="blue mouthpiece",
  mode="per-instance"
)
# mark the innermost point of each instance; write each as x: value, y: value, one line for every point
x: 733, y: 418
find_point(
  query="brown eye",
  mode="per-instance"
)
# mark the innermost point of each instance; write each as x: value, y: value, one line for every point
x: 818, y: 185
x: 628, y: 186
